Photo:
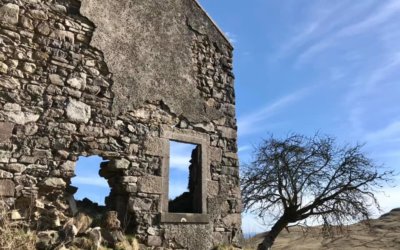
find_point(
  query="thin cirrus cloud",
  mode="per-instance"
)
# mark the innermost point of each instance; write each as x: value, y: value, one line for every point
x: 90, y: 180
x: 231, y: 37
x: 252, y: 123
x: 389, y: 133
x: 387, y: 11
x: 372, y: 21
x: 379, y: 85
x: 180, y: 162
x: 180, y: 155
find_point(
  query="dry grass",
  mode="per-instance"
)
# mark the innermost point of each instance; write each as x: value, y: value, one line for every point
x: 14, y: 234
x: 384, y: 233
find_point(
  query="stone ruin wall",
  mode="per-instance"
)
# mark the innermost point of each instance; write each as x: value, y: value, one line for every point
x: 61, y: 97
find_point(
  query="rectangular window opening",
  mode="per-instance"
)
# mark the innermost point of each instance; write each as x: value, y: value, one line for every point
x: 185, y: 190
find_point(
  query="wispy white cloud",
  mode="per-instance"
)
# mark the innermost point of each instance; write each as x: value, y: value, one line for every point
x: 231, y: 37
x: 180, y: 162
x: 388, y: 10
x: 368, y: 24
x: 369, y: 86
x: 250, y: 124
x: 322, y: 22
x: 91, y: 181
x: 244, y: 148
x: 180, y: 155
x: 390, y: 132
x: 252, y: 225
x: 388, y: 197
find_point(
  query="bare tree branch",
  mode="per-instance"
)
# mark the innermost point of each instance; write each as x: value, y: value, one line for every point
x: 302, y: 177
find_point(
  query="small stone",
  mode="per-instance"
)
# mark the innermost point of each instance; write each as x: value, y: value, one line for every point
x: 68, y: 166
x: 16, y: 168
x: 15, y: 215
x: 72, y: 92
x: 120, y: 164
x: 5, y: 156
x: 228, y: 132
x: 7, y: 188
x: 68, y: 126
x: 90, y: 63
x: 6, y: 129
x: 14, y: 114
x: 3, y: 68
x: 154, y: 241
x: 11, y: 34
x: 39, y: 204
x: 44, y: 28
x: 39, y: 14
x: 209, y: 127
x: 54, y: 182
x: 111, y: 221
x: 139, y: 204
x: 9, y: 83
x: 59, y: 8
x: 131, y: 128
x: 9, y: 13
x: 30, y: 129
x: 12, y: 63
x: 232, y: 220
x: 28, y: 159
x: 13, y: 107
x: 212, y: 188
x: 64, y: 154
x: 77, y: 82
x: 56, y: 80
x: 183, y: 124
x: 29, y: 67
x: 35, y: 90
x: 151, y: 231
x: 5, y: 175
x: 27, y: 23
x: 150, y: 184
x: 63, y: 35
x: 141, y: 114
x: 215, y: 154
x: 78, y: 111
x: 131, y: 188
x: 129, y: 179
x: 46, y: 239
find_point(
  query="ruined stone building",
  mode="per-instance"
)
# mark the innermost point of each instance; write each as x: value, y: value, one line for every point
x: 121, y: 80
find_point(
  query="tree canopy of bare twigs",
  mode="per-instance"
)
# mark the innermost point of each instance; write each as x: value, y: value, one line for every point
x: 303, y: 177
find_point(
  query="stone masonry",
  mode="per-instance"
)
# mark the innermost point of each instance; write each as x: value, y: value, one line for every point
x: 118, y: 79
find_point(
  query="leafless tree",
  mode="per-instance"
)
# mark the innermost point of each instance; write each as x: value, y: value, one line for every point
x: 302, y: 177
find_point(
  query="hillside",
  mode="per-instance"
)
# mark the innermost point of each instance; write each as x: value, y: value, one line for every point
x: 384, y: 234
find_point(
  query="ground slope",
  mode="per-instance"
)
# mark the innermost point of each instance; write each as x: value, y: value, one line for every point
x: 383, y: 234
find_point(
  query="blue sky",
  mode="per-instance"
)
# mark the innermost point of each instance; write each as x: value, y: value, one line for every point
x: 305, y: 66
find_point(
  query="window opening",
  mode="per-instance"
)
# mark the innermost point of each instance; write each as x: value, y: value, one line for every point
x: 90, y: 186
x: 184, y: 178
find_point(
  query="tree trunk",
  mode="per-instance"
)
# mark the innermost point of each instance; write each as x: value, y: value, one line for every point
x: 271, y: 236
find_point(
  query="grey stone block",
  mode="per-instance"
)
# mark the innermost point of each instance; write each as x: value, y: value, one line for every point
x: 7, y: 188
x: 9, y: 13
